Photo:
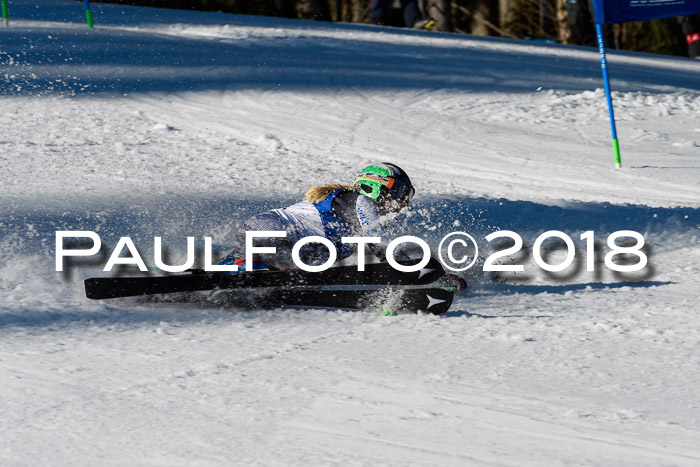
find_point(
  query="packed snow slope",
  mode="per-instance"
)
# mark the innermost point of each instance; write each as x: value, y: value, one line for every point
x: 174, y: 124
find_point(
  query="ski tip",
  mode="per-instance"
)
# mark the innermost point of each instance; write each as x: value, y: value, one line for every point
x: 459, y: 284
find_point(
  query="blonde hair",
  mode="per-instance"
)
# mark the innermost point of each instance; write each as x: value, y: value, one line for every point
x: 316, y: 194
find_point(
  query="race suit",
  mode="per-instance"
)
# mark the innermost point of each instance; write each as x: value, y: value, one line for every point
x: 343, y: 213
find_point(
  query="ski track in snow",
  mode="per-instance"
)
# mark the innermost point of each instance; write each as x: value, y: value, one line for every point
x: 171, y: 123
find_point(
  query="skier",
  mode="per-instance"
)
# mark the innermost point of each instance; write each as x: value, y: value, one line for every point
x: 378, y: 194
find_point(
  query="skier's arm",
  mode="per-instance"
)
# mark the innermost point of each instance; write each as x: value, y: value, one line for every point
x: 368, y: 215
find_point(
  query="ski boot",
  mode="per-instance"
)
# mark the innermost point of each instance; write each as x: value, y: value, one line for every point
x: 238, y: 259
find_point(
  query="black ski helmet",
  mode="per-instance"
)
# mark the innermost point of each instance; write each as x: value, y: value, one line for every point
x: 384, y: 178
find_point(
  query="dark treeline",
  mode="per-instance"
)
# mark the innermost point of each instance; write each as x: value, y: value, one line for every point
x: 564, y: 21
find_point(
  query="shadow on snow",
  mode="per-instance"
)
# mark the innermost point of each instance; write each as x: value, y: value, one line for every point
x: 228, y: 52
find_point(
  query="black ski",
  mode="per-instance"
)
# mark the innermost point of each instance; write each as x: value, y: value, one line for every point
x: 375, y: 274
x: 429, y: 300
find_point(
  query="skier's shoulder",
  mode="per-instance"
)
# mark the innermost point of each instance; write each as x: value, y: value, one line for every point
x: 344, y: 205
x: 345, y: 196
x: 367, y: 212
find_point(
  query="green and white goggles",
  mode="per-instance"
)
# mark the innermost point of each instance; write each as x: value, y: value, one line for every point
x: 371, y: 184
